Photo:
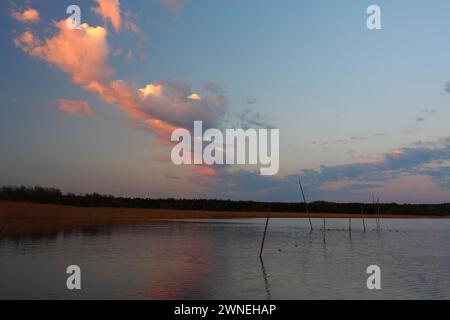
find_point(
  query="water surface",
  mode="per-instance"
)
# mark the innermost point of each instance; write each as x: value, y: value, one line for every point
x: 218, y: 259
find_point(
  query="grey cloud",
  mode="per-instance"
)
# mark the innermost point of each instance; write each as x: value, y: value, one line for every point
x: 405, y: 161
x: 250, y: 101
x: 247, y: 119
x: 174, y: 106
x: 213, y: 87
x: 447, y: 87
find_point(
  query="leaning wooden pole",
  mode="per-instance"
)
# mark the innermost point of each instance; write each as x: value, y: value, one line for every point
x: 306, y: 203
x: 264, y: 237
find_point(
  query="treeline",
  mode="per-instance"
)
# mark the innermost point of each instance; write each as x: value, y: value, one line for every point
x: 55, y: 196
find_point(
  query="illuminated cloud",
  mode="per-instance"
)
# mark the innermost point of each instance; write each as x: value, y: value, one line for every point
x: 109, y: 10
x: 27, y: 16
x: 158, y: 107
x: 174, y: 102
x: 151, y: 90
x: 26, y: 41
x: 195, y: 96
x: 82, y: 54
x: 161, y: 107
x: 76, y: 107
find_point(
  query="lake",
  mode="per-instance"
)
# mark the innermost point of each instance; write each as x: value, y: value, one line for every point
x: 219, y: 259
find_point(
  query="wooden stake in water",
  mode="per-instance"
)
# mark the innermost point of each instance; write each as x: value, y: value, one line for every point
x: 306, y: 203
x: 324, y: 240
x: 264, y: 237
x: 362, y: 215
x: 378, y: 214
x: 350, y: 225
x: 375, y: 211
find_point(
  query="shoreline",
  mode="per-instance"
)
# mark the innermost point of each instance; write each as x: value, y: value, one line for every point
x: 17, y: 218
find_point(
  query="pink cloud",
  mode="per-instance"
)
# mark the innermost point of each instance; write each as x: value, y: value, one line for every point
x: 26, y: 41
x: 82, y: 54
x: 27, y: 16
x: 413, y: 188
x: 109, y: 10
x: 158, y: 107
x: 74, y: 107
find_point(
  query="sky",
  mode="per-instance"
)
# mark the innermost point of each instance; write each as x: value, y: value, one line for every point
x: 360, y: 111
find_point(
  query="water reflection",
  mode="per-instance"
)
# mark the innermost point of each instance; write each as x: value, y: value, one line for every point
x: 52, y: 236
x: 266, y: 281
x: 184, y: 276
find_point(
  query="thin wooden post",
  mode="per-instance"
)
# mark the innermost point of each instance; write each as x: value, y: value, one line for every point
x: 350, y: 225
x: 362, y: 215
x: 350, y: 228
x: 378, y: 214
x: 324, y: 239
x: 375, y: 211
x: 306, y: 203
x: 264, y: 237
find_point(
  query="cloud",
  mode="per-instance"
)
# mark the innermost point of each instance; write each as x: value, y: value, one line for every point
x: 447, y: 87
x: 109, y: 10
x: 347, y: 140
x: 27, y: 16
x: 26, y: 41
x: 158, y: 107
x: 129, y: 56
x: 430, y: 111
x: 175, y: 102
x: 74, y: 107
x: 82, y: 54
x: 247, y: 119
x: 213, y: 87
x: 130, y: 22
x: 412, y: 161
x: 162, y: 106
x: 426, y: 164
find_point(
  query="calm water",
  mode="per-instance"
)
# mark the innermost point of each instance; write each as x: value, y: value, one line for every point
x: 218, y: 259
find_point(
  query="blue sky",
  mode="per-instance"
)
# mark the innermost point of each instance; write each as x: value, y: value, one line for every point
x: 342, y: 96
